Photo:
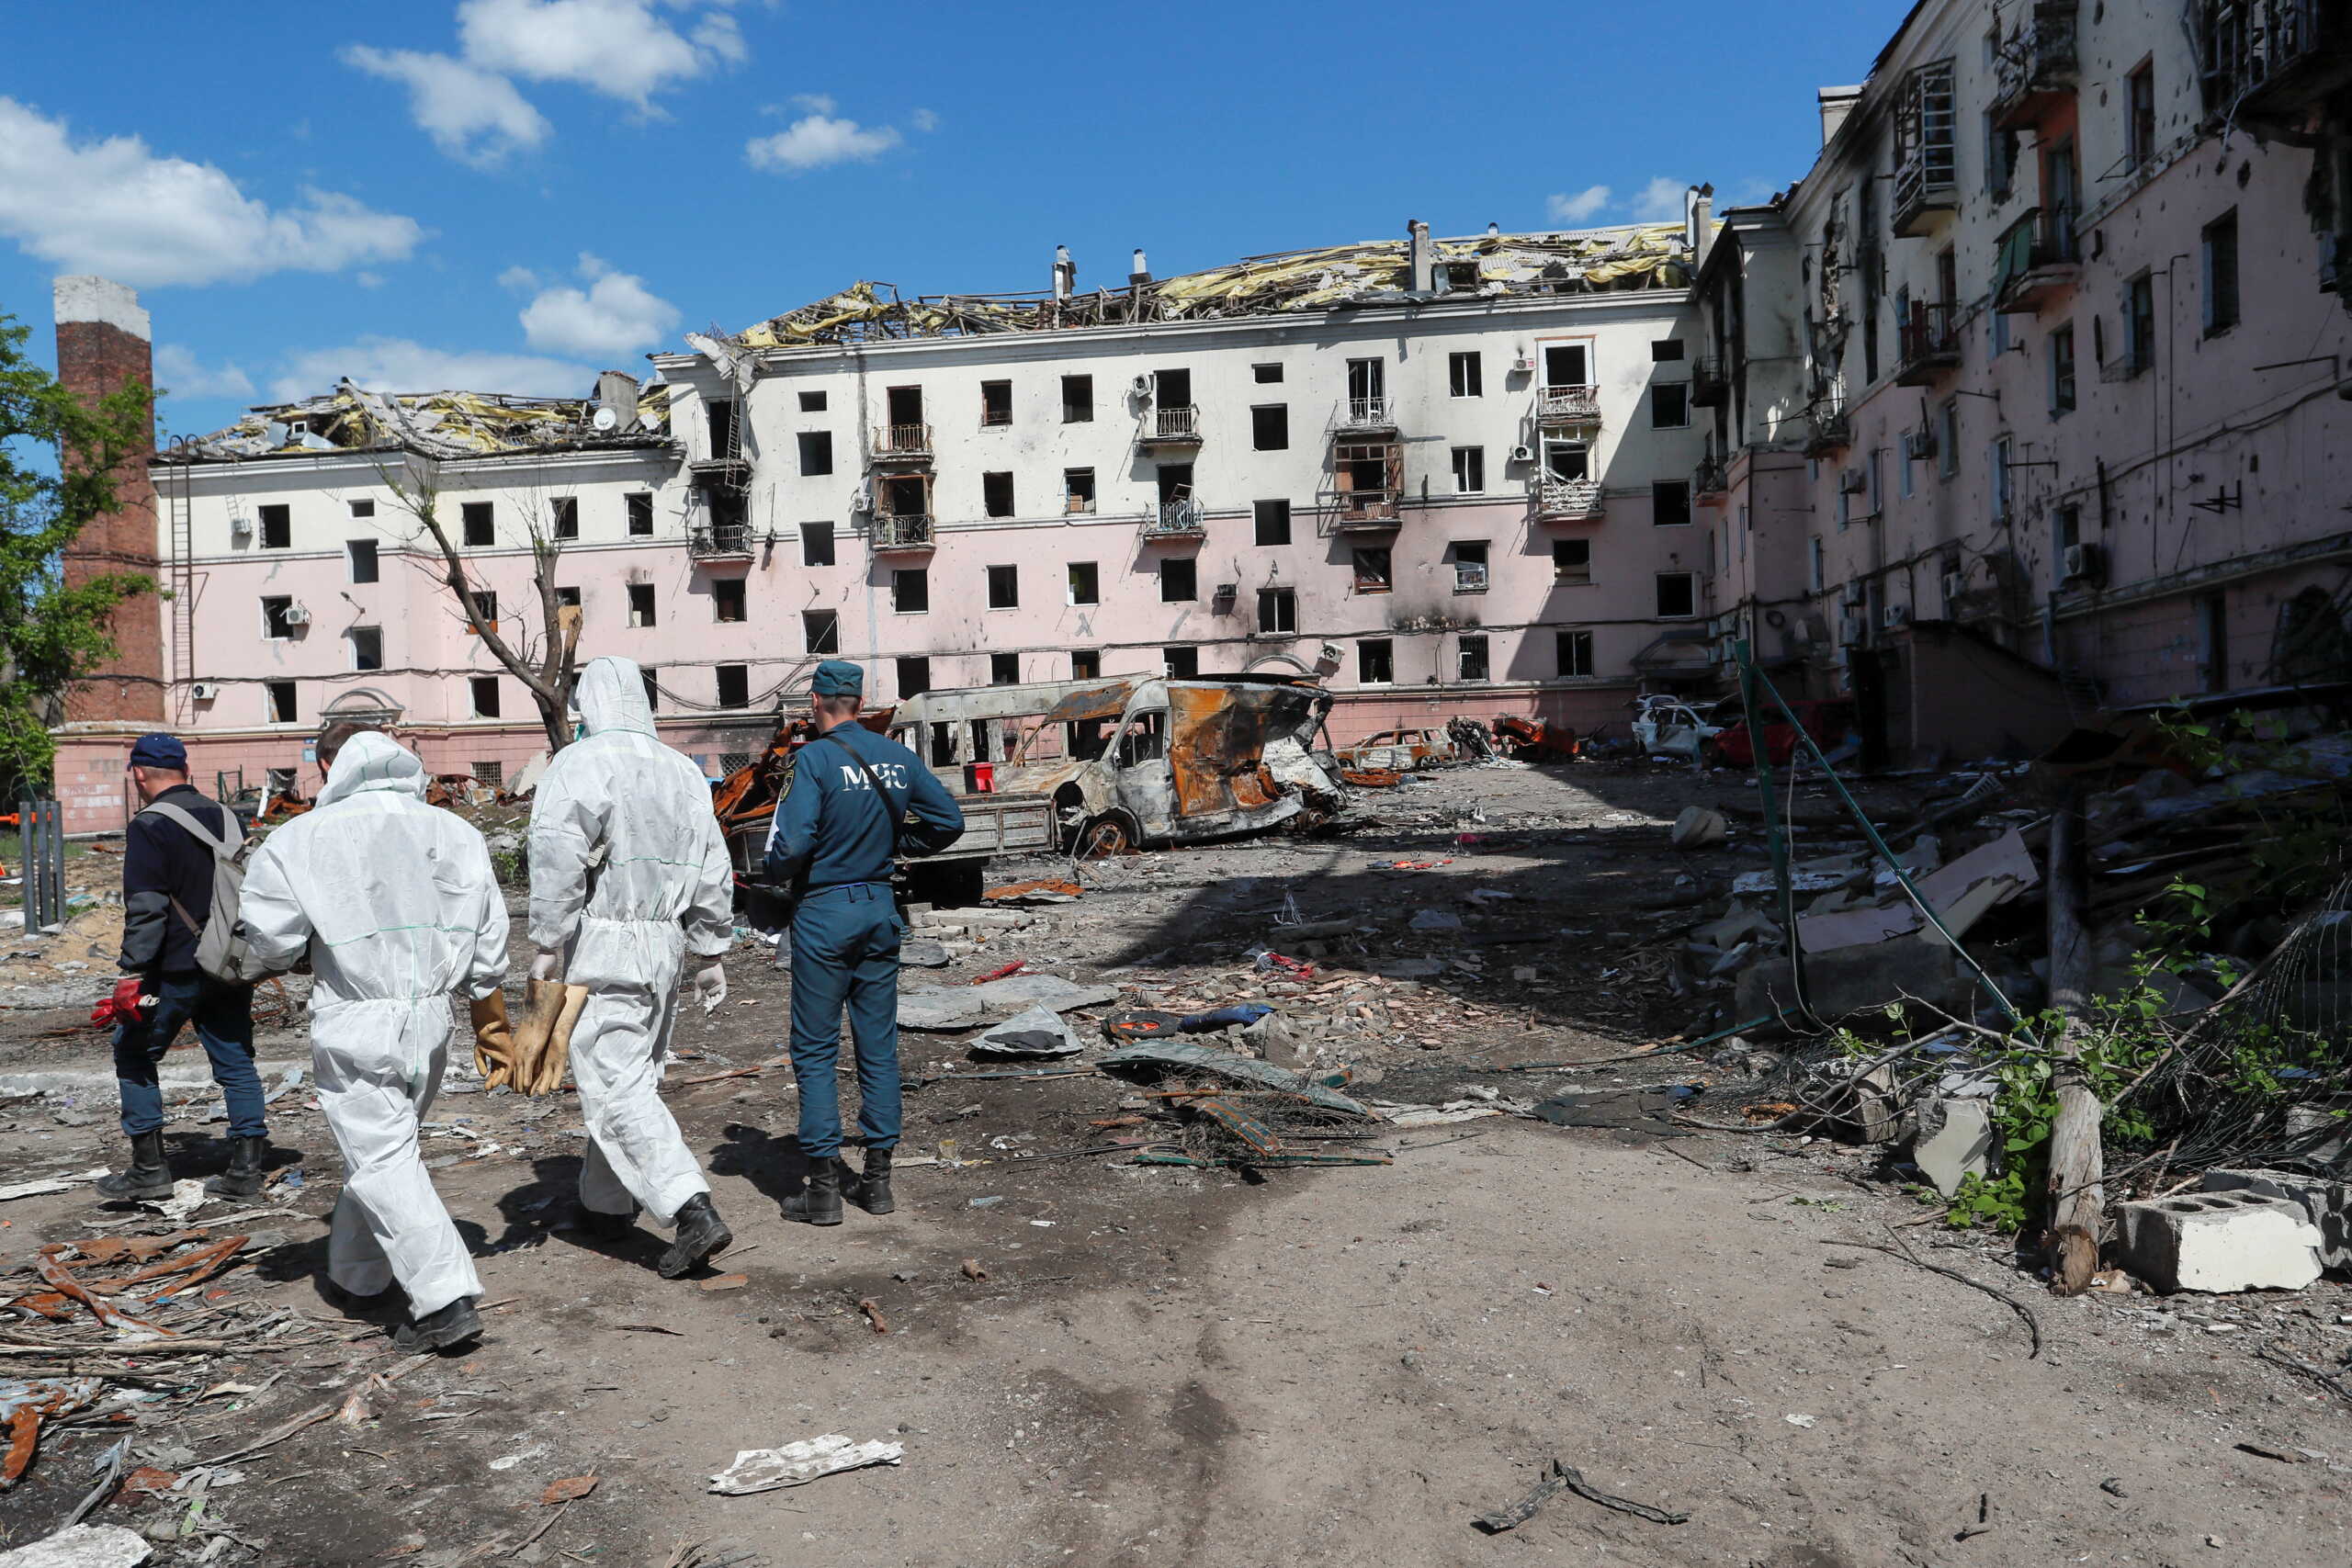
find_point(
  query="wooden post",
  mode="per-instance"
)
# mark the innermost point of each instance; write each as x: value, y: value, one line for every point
x: 2076, y: 1159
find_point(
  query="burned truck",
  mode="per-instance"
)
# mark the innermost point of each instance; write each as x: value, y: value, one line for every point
x: 1137, y: 760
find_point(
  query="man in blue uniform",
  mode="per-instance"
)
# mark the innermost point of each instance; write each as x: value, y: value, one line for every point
x: 836, y: 837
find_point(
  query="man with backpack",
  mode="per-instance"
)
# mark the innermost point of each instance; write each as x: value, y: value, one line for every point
x: 836, y: 840
x: 170, y: 856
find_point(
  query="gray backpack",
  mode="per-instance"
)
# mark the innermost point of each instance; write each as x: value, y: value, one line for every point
x: 220, y: 951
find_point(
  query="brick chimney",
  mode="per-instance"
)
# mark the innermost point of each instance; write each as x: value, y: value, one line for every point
x: 103, y: 341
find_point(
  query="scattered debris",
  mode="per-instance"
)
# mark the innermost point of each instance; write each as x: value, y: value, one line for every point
x: 1558, y: 1478
x: 797, y: 1463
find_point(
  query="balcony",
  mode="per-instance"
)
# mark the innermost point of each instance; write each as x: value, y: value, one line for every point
x: 900, y: 533
x: 1712, y: 478
x: 1566, y: 407
x: 734, y: 469
x: 1170, y: 427
x: 1364, y: 416
x: 1184, y: 518
x: 1362, y: 511
x: 2037, y: 67
x: 2271, y: 61
x: 901, y: 443
x: 2036, y: 259
x: 1568, y: 500
x: 1827, y: 428
x: 1709, y: 384
x: 1927, y: 176
x: 1927, y: 345
x: 721, y: 541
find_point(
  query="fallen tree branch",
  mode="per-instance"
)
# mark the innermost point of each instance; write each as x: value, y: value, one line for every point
x: 2032, y: 1325
x: 1558, y: 1478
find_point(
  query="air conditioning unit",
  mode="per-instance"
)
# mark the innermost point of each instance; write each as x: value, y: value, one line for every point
x: 1141, y: 386
x: 1894, y: 617
x: 1524, y: 365
x: 2086, y: 563
x: 1852, y: 594
x: 1853, y: 481
x: 243, y: 528
x: 296, y: 617
x: 1955, y: 584
x: 1522, y: 454
x: 1918, y: 444
x: 204, y: 691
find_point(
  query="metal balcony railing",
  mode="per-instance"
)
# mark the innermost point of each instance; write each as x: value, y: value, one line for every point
x: 1364, y: 414
x: 719, y: 541
x: 1927, y: 177
x: 1182, y: 518
x: 1713, y: 476
x: 2037, y: 64
x: 1828, y: 429
x: 1710, y: 383
x: 1172, y: 425
x: 903, y: 441
x: 2272, y: 57
x: 1568, y: 405
x: 1364, y: 508
x: 902, y: 531
x: 1568, y: 500
x: 1927, y: 344
x: 2036, y: 256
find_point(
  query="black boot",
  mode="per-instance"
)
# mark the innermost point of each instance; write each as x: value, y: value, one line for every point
x: 601, y: 1226
x: 438, y: 1330
x: 149, y: 1176
x: 244, y: 1176
x: 819, y: 1202
x: 701, y: 1234
x: 351, y: 1304
x: 871, y: 1191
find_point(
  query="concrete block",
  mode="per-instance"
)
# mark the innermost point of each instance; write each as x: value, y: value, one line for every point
x: 1955, y: 1141
x: 994, y: 920
x: 82, y: 1546
x: 1857, y: 979
x: 2220, y: 1241
x: 2327, y: 1204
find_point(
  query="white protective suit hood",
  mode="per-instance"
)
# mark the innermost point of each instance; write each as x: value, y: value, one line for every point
x: 372, y: 760
x: 610, y: 695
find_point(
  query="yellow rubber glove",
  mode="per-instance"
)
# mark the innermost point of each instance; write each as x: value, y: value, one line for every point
x: 493, y: 1041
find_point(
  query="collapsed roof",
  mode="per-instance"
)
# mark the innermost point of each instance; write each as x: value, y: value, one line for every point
x: 1334, y: 276
x: 451, y: 425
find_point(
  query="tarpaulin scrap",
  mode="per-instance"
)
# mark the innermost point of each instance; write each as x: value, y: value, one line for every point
x: 1148, y: 1061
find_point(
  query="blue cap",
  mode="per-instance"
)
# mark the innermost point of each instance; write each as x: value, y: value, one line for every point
x: 838, y: 678
x: 159, y: 751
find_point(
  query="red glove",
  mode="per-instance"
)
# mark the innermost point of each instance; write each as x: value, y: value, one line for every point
x: 122, y: 1005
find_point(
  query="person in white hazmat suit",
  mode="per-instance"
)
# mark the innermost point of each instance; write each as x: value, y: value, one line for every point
x: 629, y: 874
x: 398, y: 908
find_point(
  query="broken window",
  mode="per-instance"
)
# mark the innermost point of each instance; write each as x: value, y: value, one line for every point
x: 906, y: 496
x: 1078, y: 400
x: 1179, y: 580
x: 996, y: 494
x: 1005, y: 588
x: 815, y: 452
x: 1077, y: 490
x: 478, y: 521
x: 1470, y: 566
x: 812, y: 403
x: 1572, y: 561
x: 1465, y: 375
x: 722, y: 427
x: 563, y: 517
x: 567, y: 597
x: 1266, y: 375
x: 2003, y: 478
x: 1665, y: 351
x: 906, y: 409
x: 2140, y: 114
x: 1144, y: 739
x: 1004, y: 670
x: 816, y: 543
x: 996, y: 402
x: 1948, y: 439
x: 734, y: 685
x: 727, y: 598
x: 277, y: 617
x: 914, y: 677
x: 2000, y: 158
x: 277, y: 527
x: 1172, y: 388
x: 1469, y: 469
x: 1085, y: 583
x: 2140, y: 325
x: 1473, y: 660
x: 2066, y: 533
x: 641, y: 603
x: 281, y: 700
x: 1274, y: 521
x: 2220, y: 257
x: 1180, y: 663
x: 1567, y: 461
x: 911, y: 590
x: 1678, y: 595
x: 1572, y: 653
x: 639, y: 506
x: 367, y: 647
x: 1367, y: 390
x: 485, y: 612
x: 1670, y: 405
x: 730, y: 509
x: 2061, y: 371
x: 1375, y: 662
x: 485, y: 692
x: 1372, y: 568
x: 362, y: 554
x: 1566, y: 365
x: 1175, y: 482
x: 1278, y: 611
x: 1269, y: 427
x: 1085, y: 666
x: 1670, y: 502
x: 822, y: 630
x: 653, y: 690
x: 363, y: 509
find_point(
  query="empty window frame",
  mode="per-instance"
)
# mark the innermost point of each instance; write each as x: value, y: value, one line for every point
x: 1670, y: 502
x: 1078, y: 400
x: 483, y: 692
x: 1469, y: 469
x: 812, y: 403
x: 1465, y: 375
x: 566, y: 596
x: 816, y: 543
x: 1269, y: 427
x: 1179, y: 580
x: 734, y: 685
x: 2063, y: 394
x: 1273, y: 521
x: 1678, y: 595
x: 478, y: 522
x: 1086, y: 664
x: 1670, y: 405
x: 1078, y: 490
x: 363, y: 509
x: 367, y: 647
x: 911, y: 590
x: 277, y: 527
x: 1004, y: 670
x: 485, y: 612
x: 1572, y: 561
x: 1665, y: 351
x: 640, y: 604
x: 2003, y: 478
x: 638, y: 505
x: 1471, y: 659
x: 1372, y: 566
x: 653, y: 690
x: 1005, y: 588
x: 1085, y: 581
x: 1181, y: 663
x: 1470, y: 566
x: 996, y: 402
x: 2140, y: 114
x: 815, y: 452
x: 1375, y: 662
x: 821, y: 630
x: 563, y: 517
x: 727, y: 598
x: 277, y: 617
x: 1572, y: 653
x: 282, y: 710
x: 996, y: 493
x: 1948, y: 439
x: 1566, y: 365
x: 914, y: 677
x: 1266, y: 375
x: 1278, y: 612
x: 720, y: 425
x: 2221, y: 269
x: 361, y: 555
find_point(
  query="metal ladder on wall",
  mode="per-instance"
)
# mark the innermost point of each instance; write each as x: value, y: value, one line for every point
x: 179, y: 507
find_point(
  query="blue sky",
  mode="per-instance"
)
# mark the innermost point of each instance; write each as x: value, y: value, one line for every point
x: 509, y: 194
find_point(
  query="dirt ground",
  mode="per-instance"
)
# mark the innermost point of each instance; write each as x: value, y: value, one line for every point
x: 1174, y: 1365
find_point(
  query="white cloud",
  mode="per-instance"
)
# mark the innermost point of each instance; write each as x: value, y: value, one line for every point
x: 814, y: 103
x: 817, y: 142
x: 1582, y: 205
x: 180, y: 374
x: 114, y: 208
x: 620, y: 48
x: 400, y: 365
x: 1661, y: 201
x: 923, y: 119
x: 613, y: 315
x: 475, y: 116
x: 522, y: 279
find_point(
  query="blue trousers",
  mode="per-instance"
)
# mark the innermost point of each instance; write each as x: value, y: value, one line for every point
x: 223, y: 1016
x: 845, y: 950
